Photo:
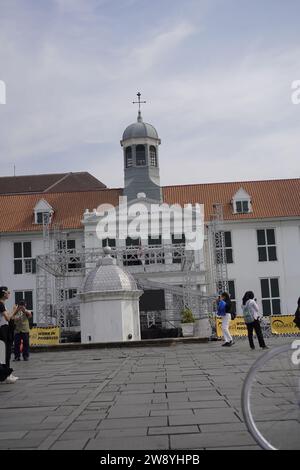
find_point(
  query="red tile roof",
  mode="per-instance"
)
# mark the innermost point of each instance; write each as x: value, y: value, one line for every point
x: 17, y: 215
x: 270, y: 199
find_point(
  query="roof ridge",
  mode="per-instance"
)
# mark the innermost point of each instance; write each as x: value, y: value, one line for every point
x: 42, y: 194
x: 46, y: 174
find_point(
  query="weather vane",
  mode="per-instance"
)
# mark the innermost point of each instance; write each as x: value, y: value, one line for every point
x: 139, y: 102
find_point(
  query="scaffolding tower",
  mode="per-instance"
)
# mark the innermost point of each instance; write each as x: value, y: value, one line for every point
x: 217, y: 272
x: 43, y: 279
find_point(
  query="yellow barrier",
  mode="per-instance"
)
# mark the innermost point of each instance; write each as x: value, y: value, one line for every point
x: 284, y: 325
x: 44, y: 335
x: 237, y: 327
x: 280, y: 325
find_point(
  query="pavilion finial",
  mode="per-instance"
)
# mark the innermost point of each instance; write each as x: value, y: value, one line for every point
x: 139, y: 102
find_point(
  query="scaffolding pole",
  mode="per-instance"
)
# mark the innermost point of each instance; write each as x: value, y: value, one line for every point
x: 217, y: 249
x: 43, y: 280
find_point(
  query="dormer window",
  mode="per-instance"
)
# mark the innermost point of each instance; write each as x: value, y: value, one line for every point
x: 241, y: 202
x: 42, y: 217
x: 43, y: 212
x: 242, y: 207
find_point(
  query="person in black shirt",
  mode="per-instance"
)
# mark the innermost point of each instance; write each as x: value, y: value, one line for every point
x: 297, y: 315
x: 5, y: 335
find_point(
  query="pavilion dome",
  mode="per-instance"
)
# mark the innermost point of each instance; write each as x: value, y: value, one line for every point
x: 108, y: 277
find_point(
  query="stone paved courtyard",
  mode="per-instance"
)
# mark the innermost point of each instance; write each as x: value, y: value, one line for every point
x: 183, y: 396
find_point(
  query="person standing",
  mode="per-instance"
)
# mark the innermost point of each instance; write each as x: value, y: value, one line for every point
x: 21, y: 320
x: 251, y: 317
x: 5, y: 336
x: 224, y: 305
x: 297, y: 315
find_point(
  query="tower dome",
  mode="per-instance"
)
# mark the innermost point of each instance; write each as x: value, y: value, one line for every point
x: 140, y: 129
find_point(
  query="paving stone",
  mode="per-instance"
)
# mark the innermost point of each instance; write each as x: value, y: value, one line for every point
x: 63, y: 411
x: 41, y: 433
x: 77, y: 435
x: 14, y: 420
x: 10, y: 412
x: 177, y: 396
x: 133, y: 422
x: 68, y: 444
x: 194, y: 441
x: 20, y: 443
x: 128, y: 412
x: 83, y: 425
x: 142, y: 398
x: 226, y: 427
x: 221, y: 415
x: 173, y: 430
x: 8, y: 435
x: 54, y: 419
x: 198, y: 404
x: 172, y: 412
x: 122, y: 432
x: 125, y: 443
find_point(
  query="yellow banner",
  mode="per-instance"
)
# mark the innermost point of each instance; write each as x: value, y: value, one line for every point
x: 280, y: 325
x: 237, y: 327
x: 44, y: 335
x: 283, y: 325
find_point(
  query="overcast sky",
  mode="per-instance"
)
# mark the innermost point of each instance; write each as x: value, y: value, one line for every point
x: 216, y: 75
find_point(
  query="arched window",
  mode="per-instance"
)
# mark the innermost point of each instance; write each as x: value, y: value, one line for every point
x: 128, y: 156
x: 153, y: 156
x: 140, y: 155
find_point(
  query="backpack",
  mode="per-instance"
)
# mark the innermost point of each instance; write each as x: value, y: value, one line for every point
x: 248, y: 314
x: 229, y: 309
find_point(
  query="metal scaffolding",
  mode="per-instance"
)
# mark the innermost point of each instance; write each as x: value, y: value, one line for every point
x: 218, y: 274
x: 57, y: 267
x: 43, y: 279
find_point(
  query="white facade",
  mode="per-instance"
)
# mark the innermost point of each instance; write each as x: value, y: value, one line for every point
x: 26, y: 281
x: 247, y: 271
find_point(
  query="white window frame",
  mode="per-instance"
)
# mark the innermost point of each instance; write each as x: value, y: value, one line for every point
x: 270, y: 292
x: 267, y: 245
x: 242, y: 201
x: 28, y: 263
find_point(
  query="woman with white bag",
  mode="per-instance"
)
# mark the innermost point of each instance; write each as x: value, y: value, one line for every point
x: 251, y: 317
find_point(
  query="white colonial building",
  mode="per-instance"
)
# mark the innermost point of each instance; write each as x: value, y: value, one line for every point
x: 49, y: 241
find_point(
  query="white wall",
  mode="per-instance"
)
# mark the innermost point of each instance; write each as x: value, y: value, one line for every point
x: 109, y: 320
x: 247, y: 271
x: 27, y: 281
